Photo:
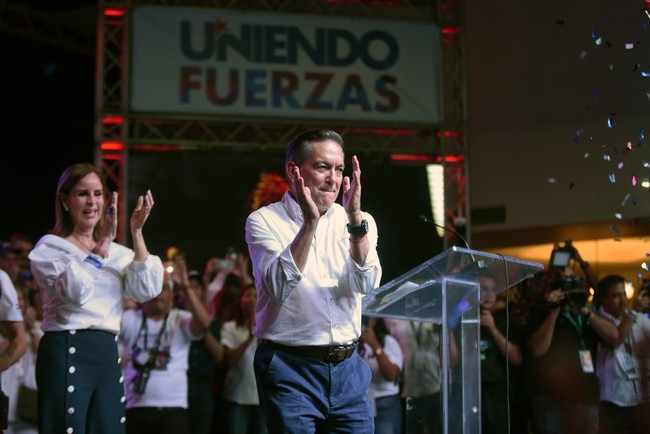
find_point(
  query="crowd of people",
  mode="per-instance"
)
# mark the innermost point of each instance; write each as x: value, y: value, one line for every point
x: 99, y: 337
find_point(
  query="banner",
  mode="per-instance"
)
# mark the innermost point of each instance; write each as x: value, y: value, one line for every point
x: 214, y: 62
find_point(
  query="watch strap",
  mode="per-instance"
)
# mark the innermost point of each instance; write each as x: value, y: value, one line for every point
x: 360, y: 230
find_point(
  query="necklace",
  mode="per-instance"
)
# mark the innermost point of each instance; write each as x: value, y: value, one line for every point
x: 81, y: 243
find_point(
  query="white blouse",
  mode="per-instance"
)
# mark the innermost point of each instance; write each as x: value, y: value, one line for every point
x: 78, y: 295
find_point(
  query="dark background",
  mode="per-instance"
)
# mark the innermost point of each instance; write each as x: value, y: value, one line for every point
x: 201, y: 196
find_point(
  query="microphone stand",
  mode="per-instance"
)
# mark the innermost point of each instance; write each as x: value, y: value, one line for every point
x: 424, y: 219
x: 477, y: 264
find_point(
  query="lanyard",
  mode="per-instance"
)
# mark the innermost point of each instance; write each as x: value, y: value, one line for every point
x: 143, y: 329
x: 577, y: 324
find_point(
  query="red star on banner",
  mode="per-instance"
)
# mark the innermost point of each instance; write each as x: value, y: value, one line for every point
x: 221, y: 26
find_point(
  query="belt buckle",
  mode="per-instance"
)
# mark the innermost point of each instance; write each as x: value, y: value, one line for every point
x: 340, y: 352
x: 336, y: 354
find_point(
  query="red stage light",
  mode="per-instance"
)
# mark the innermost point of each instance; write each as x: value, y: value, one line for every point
x: 114, y: 12
x: 113, y: 120
x: 112, y: 146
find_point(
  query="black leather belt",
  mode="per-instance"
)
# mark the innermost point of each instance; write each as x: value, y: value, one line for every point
x: 336, y: 353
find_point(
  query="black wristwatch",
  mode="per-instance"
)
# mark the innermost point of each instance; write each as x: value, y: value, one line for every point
x: 360, y: 230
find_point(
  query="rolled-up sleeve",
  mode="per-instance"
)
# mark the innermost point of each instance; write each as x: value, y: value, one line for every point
x: 274, y: 269
x: 144, y: 280
x: 364, y: 278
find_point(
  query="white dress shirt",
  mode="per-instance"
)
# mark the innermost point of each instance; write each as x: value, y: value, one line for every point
x: 321, y: 305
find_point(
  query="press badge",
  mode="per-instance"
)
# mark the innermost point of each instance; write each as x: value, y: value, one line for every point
x: 629, y: 364
x: 586, y: 361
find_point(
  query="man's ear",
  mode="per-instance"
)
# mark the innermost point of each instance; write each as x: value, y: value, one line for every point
x: 288, y: 169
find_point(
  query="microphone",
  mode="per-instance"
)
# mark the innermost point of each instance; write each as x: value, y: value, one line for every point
x: 424, y: 219
x: 475, y: 266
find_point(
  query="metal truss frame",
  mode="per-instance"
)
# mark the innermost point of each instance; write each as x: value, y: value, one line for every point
x: 119, y: 132
x: 43, y: 28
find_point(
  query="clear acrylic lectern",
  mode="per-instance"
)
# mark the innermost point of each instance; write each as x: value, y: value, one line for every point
x: 442, y: 297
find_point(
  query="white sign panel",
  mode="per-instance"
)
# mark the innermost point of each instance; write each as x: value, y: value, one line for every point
x: 209, y: 61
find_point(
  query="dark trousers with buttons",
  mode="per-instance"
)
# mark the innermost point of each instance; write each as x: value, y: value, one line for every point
x: 79, y: 382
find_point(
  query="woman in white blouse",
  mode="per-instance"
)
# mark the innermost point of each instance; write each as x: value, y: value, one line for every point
x: 83, y: 277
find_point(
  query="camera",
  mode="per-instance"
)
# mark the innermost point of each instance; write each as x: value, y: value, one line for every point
x: 144, y: 370
x: 574, y: 294
x: 561, y: 256
x: 140, y: 381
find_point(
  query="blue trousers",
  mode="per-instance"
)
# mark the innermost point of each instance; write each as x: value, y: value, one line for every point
x: 303, y: 395
x: 389, y: 415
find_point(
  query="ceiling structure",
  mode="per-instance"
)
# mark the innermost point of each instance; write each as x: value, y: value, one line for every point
x: 70, y: 25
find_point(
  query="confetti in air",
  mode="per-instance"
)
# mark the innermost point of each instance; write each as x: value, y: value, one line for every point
x: 615, y: 229
x: 597, y: 39
x: 618, y: 215
x: 612, y: 178
x: 627, y: 196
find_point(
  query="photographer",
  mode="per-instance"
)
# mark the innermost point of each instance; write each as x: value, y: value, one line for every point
x: 156, y: 340
x: 563, y: 343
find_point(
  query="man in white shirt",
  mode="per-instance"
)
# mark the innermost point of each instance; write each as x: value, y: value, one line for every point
x: 623, y: 372
x: 313, y: 260
x: 14, y: 328
x: 156, y: 341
